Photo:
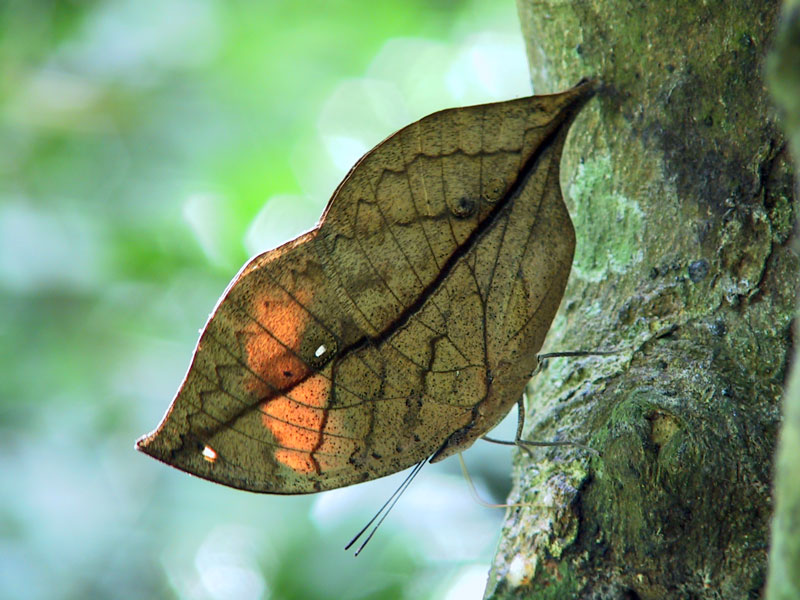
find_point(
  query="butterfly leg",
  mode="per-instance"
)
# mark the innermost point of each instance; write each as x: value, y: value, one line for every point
x: 526, y: 445
x: 518, y: 441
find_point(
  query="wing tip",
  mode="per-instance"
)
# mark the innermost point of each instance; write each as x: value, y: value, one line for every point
x: 578, y: 95
x: 143, y: 443
x: 153, y: 446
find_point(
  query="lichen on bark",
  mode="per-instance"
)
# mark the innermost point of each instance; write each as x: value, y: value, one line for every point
x: 783, y: 70
x: 680, y: 187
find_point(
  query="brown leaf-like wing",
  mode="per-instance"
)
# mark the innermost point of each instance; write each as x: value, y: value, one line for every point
x: 405, y: 325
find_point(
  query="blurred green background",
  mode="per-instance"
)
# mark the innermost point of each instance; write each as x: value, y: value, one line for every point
x: 147, y: 149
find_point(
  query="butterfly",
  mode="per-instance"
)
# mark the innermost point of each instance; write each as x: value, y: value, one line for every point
x: 403, y: 327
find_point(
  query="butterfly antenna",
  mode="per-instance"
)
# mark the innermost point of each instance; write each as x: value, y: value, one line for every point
x: 387, y: 507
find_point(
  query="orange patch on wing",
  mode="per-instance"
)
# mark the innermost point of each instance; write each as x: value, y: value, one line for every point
x: 296, y: 460
x: 273, y: 340
x: 296, y: 422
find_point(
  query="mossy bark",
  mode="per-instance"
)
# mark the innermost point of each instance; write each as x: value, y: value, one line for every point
x: 679, y: 183
x: 784, y: 564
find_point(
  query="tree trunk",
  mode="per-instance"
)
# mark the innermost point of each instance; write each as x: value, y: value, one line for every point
x: 784, y: 564
x: 679, y: 184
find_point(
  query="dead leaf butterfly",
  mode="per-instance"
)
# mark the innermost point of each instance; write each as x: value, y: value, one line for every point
x: 403, y: 327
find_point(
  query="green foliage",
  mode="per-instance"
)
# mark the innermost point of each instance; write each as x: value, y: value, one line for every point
x: 140, y: 141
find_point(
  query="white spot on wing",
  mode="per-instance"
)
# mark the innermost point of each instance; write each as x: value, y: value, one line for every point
x: 209, y: 454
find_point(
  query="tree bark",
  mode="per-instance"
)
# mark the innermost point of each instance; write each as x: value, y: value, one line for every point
x: 679, y: 184
x: 784, y: 563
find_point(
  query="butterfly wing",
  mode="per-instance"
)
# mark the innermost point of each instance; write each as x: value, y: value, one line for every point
x: 406, y: 323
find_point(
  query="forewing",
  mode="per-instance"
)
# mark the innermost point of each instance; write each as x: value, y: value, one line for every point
x: 360, y: 348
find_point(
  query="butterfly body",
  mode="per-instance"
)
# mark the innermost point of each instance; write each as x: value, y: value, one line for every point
x: 404, y: 326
